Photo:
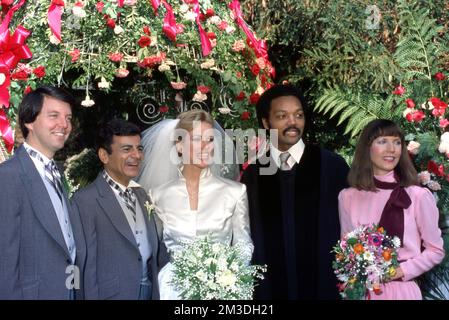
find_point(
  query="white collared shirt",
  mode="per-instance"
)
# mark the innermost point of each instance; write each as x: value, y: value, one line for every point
x: 296, y: 151
x: 38, y: 164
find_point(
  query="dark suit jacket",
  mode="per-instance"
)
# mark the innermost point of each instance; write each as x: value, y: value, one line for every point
x: 114, y: 267
x: 33, y: 254
x: 318, y: 178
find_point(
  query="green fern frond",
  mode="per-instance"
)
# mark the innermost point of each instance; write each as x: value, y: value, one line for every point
x: 354, y: 109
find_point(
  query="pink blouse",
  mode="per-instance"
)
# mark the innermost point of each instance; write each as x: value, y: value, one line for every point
x: 358, y: 207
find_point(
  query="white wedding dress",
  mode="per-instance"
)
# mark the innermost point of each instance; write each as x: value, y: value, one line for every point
x: 222, y: 215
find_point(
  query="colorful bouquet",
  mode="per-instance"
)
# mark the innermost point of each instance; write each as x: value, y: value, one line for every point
x: 204, y: 270
x: 365, y: 258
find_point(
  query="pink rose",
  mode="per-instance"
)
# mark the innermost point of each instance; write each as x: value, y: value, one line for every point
x: 121, y: 73
x: 400, y: 90
x: 424, y: 177
x: 115, y: 56
x: 410, y: 103
x: 413, y: 147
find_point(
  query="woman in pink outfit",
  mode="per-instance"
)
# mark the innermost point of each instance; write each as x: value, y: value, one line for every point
x: 384, y: 190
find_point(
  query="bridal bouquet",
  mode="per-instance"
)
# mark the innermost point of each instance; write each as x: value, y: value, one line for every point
x: 365, y: 258
x: 204, y: 270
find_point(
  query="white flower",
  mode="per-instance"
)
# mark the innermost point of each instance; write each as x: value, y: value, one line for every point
x: 2, y: 78
x: 118, y: 30
x: 190, y: 16
x: 103, y: 84
x: 209, y: 63
x: 54, y: 40
x: 88, y: 102
x: 215, y: 20
x: 153, y: 41
x: 199, y: 96
x: 79, y: 12
x: 227, y: 278
x: 150, y: 208
x: 396, y: 242
x: 164, y: 67
x: 184, y: 8
x: 201, y: 275
x: 230, y: 29
x: 367, y: 255
x: 224, y: 110
x: 216, y: 248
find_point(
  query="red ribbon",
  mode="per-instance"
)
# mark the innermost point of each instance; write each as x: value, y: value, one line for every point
x: 155, y: 4
x: 259, y: 46
x: 5, y: 23
x: 169, y: 28
x: 54, y: 18
x: 6, y: 130
x: 206, y: 46
x: 13, y: 47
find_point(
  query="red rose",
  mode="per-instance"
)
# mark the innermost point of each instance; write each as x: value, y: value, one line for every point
x: 223, y: 25
x: 418, y: 116
x: 58, y: 2
x: 255, y: 69
x: 211, y: 35
x: 115, y: 56
x: 410, y: 103
x: 409, y: 117
x: 444, y: 123
x: 39, y: 72
x: 254, y: 98
x: 202, y: 17
x: 144, y: 41
x: 19, y: 76
x: 147, y: 30
x: 27, y: 90
x: 400, y: 90
x: 203, y: 89
x: 241, y: 96
x: 99, y: 6
x: 439, y: 76
x: 245, y: 115
x: 210, y: 12
x: 238, y: 74
x: 75, y: 54
x: 163, y: 109
x: 111, y: 23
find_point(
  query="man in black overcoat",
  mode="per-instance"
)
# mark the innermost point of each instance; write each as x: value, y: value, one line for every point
x: 293, y: 208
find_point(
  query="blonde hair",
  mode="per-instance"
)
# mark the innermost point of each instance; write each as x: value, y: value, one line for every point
x: 187, y: 119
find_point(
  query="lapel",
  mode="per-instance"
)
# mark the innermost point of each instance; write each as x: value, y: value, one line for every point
x: 111, y: 208
x: 150, y: 223
x: 39, y: 198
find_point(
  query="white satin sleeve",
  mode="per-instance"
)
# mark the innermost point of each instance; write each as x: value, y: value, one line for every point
x: 241, y: 227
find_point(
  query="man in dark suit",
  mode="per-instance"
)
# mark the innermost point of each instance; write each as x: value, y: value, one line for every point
x: 293, y: 208
x: 124, y: 238
x: 42, y: 248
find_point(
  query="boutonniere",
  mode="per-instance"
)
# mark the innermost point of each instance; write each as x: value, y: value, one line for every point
x: 150, y: 208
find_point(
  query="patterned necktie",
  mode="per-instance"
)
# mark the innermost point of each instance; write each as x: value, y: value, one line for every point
x: 130, y: 200
x: 284, y: 157
x: 51, y: 173
x: 128, y: 196
x: 54, y: 177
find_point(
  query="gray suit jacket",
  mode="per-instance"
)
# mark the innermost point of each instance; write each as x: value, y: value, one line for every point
x: 114, y: 267
x: 33, y: 254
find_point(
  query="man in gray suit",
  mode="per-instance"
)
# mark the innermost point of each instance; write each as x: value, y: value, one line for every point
x: 124, y: 239
x: 42, y: 248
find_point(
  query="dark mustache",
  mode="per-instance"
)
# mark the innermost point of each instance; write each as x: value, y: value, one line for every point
x: 292, y: 128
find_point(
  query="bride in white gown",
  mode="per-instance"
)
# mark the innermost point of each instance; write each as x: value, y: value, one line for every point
x: 186, y: 187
